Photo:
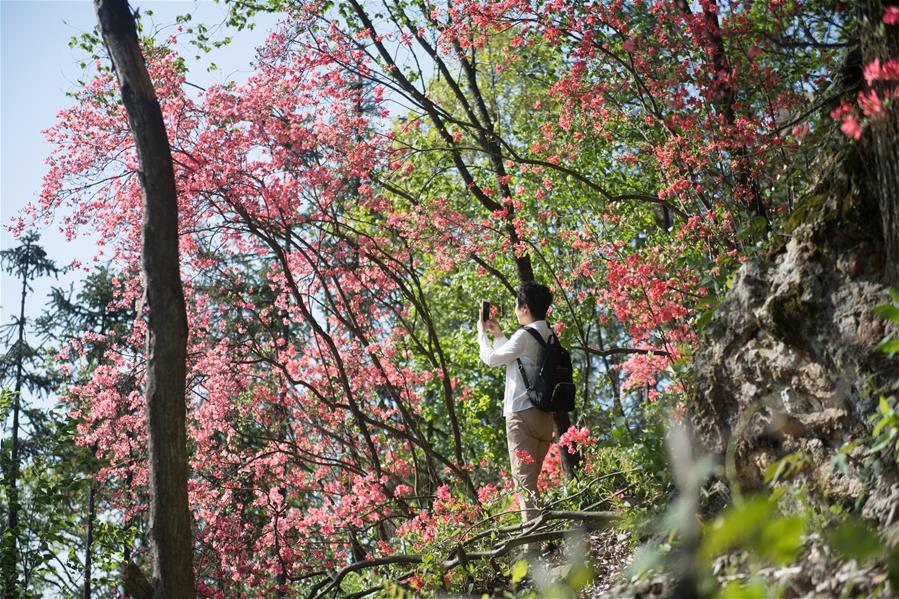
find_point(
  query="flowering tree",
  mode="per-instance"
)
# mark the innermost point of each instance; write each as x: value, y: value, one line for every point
x: 386, y: 164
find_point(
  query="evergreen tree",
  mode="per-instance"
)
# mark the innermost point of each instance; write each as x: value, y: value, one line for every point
x: 19, y: 368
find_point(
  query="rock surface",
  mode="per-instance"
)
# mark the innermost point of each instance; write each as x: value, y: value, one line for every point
x: 787, y: 362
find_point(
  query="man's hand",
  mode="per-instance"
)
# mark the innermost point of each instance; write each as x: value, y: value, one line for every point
x: 492, y: 327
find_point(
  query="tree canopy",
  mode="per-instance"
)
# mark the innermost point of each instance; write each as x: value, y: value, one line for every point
x: 342, y: 213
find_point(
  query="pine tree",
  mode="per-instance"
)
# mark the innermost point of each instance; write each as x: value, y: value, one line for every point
x: 19, y: 367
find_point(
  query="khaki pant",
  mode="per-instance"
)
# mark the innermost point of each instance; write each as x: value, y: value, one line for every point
x: 528, y: 431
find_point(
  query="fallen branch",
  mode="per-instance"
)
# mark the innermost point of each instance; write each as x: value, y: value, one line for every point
x: 369, y: 563
x: 587, y: 485
x: 458, y: 556
x: 512, y: 543
x: 619, y: 350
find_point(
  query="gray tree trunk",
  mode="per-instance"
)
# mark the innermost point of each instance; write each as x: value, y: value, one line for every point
x: 170, y: 522
x: 89, y: 540
x: 11, y: 543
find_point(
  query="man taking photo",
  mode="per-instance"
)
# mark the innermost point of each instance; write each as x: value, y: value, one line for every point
x: 529, y: 430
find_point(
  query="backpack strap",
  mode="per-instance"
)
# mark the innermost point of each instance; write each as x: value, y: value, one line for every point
x: 524, y: 377
x: 537, y: 335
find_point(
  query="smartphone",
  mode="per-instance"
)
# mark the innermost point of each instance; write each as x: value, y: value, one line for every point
x: 485, y: 311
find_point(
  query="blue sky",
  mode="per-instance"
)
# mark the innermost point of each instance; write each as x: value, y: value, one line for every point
x: 37, y: 70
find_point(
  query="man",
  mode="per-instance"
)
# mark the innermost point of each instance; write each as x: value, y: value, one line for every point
x: 529, y: 430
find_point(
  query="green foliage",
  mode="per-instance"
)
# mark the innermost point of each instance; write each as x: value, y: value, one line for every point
x: 786, y: 467
x: 755, y: 589
x: 856, y: 539
x: 519, y: 571
x: 393, y: 590
x: 886, y: 428
x: 756, y: 526
x: 240, y: 14
x: 7, y: 397
x: 624, y: 471
x: 890, y: 311
x: 886, y: 420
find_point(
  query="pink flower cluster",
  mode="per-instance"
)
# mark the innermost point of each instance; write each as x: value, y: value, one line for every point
x: 575, y: 438
x: 881, y: 79
x: 523, y: 456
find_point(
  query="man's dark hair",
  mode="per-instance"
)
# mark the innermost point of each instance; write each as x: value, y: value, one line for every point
x: 536, y: 297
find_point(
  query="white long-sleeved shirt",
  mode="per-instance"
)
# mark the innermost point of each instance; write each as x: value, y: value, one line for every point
x: 506, y: 351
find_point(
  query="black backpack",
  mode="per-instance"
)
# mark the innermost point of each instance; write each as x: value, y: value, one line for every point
x: 553, y: 389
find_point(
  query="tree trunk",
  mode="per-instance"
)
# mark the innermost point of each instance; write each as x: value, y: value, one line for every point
x: 11, y: 543
x: 170, y: 523
x: 880, y: 141
x: 89, y: 540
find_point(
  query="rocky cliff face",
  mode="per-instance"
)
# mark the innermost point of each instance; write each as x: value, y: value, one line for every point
x: 787, y: 363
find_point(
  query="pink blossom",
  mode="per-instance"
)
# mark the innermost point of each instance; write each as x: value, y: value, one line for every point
x: 551, y: 474
x: 870, y: 103
x: 875, y: 71
x: 402, y: 491
x: 487, y: 492
x: 524, y: 457
x: 574, y: 437
x: 891, y: 15
x: 850, y: 127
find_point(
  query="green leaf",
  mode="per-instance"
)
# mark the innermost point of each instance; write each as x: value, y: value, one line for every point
x: 856, y: 539
x: 519, y: 571
x: 893, y: 567
x: 735, y: 590
x: 889, y: 346
x: 646, y: 558
x: 6, y: 400
x: 840, y: 463
x: 736, y: 527
x: 788, y: 465
x: 888, y: 311
x: 580, y: 576
x: 703, y: 319
x: 780, y: 540
x: 883, y: 440
x: 707, y: 301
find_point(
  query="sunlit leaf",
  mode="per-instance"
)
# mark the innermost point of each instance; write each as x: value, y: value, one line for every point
x: 888, y: 311
x: 780, y: 539
x: 736, y: 590
x: 737, y: 526
x: 580, y: 576
x: 856, y: 539
x: 519, y: 571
